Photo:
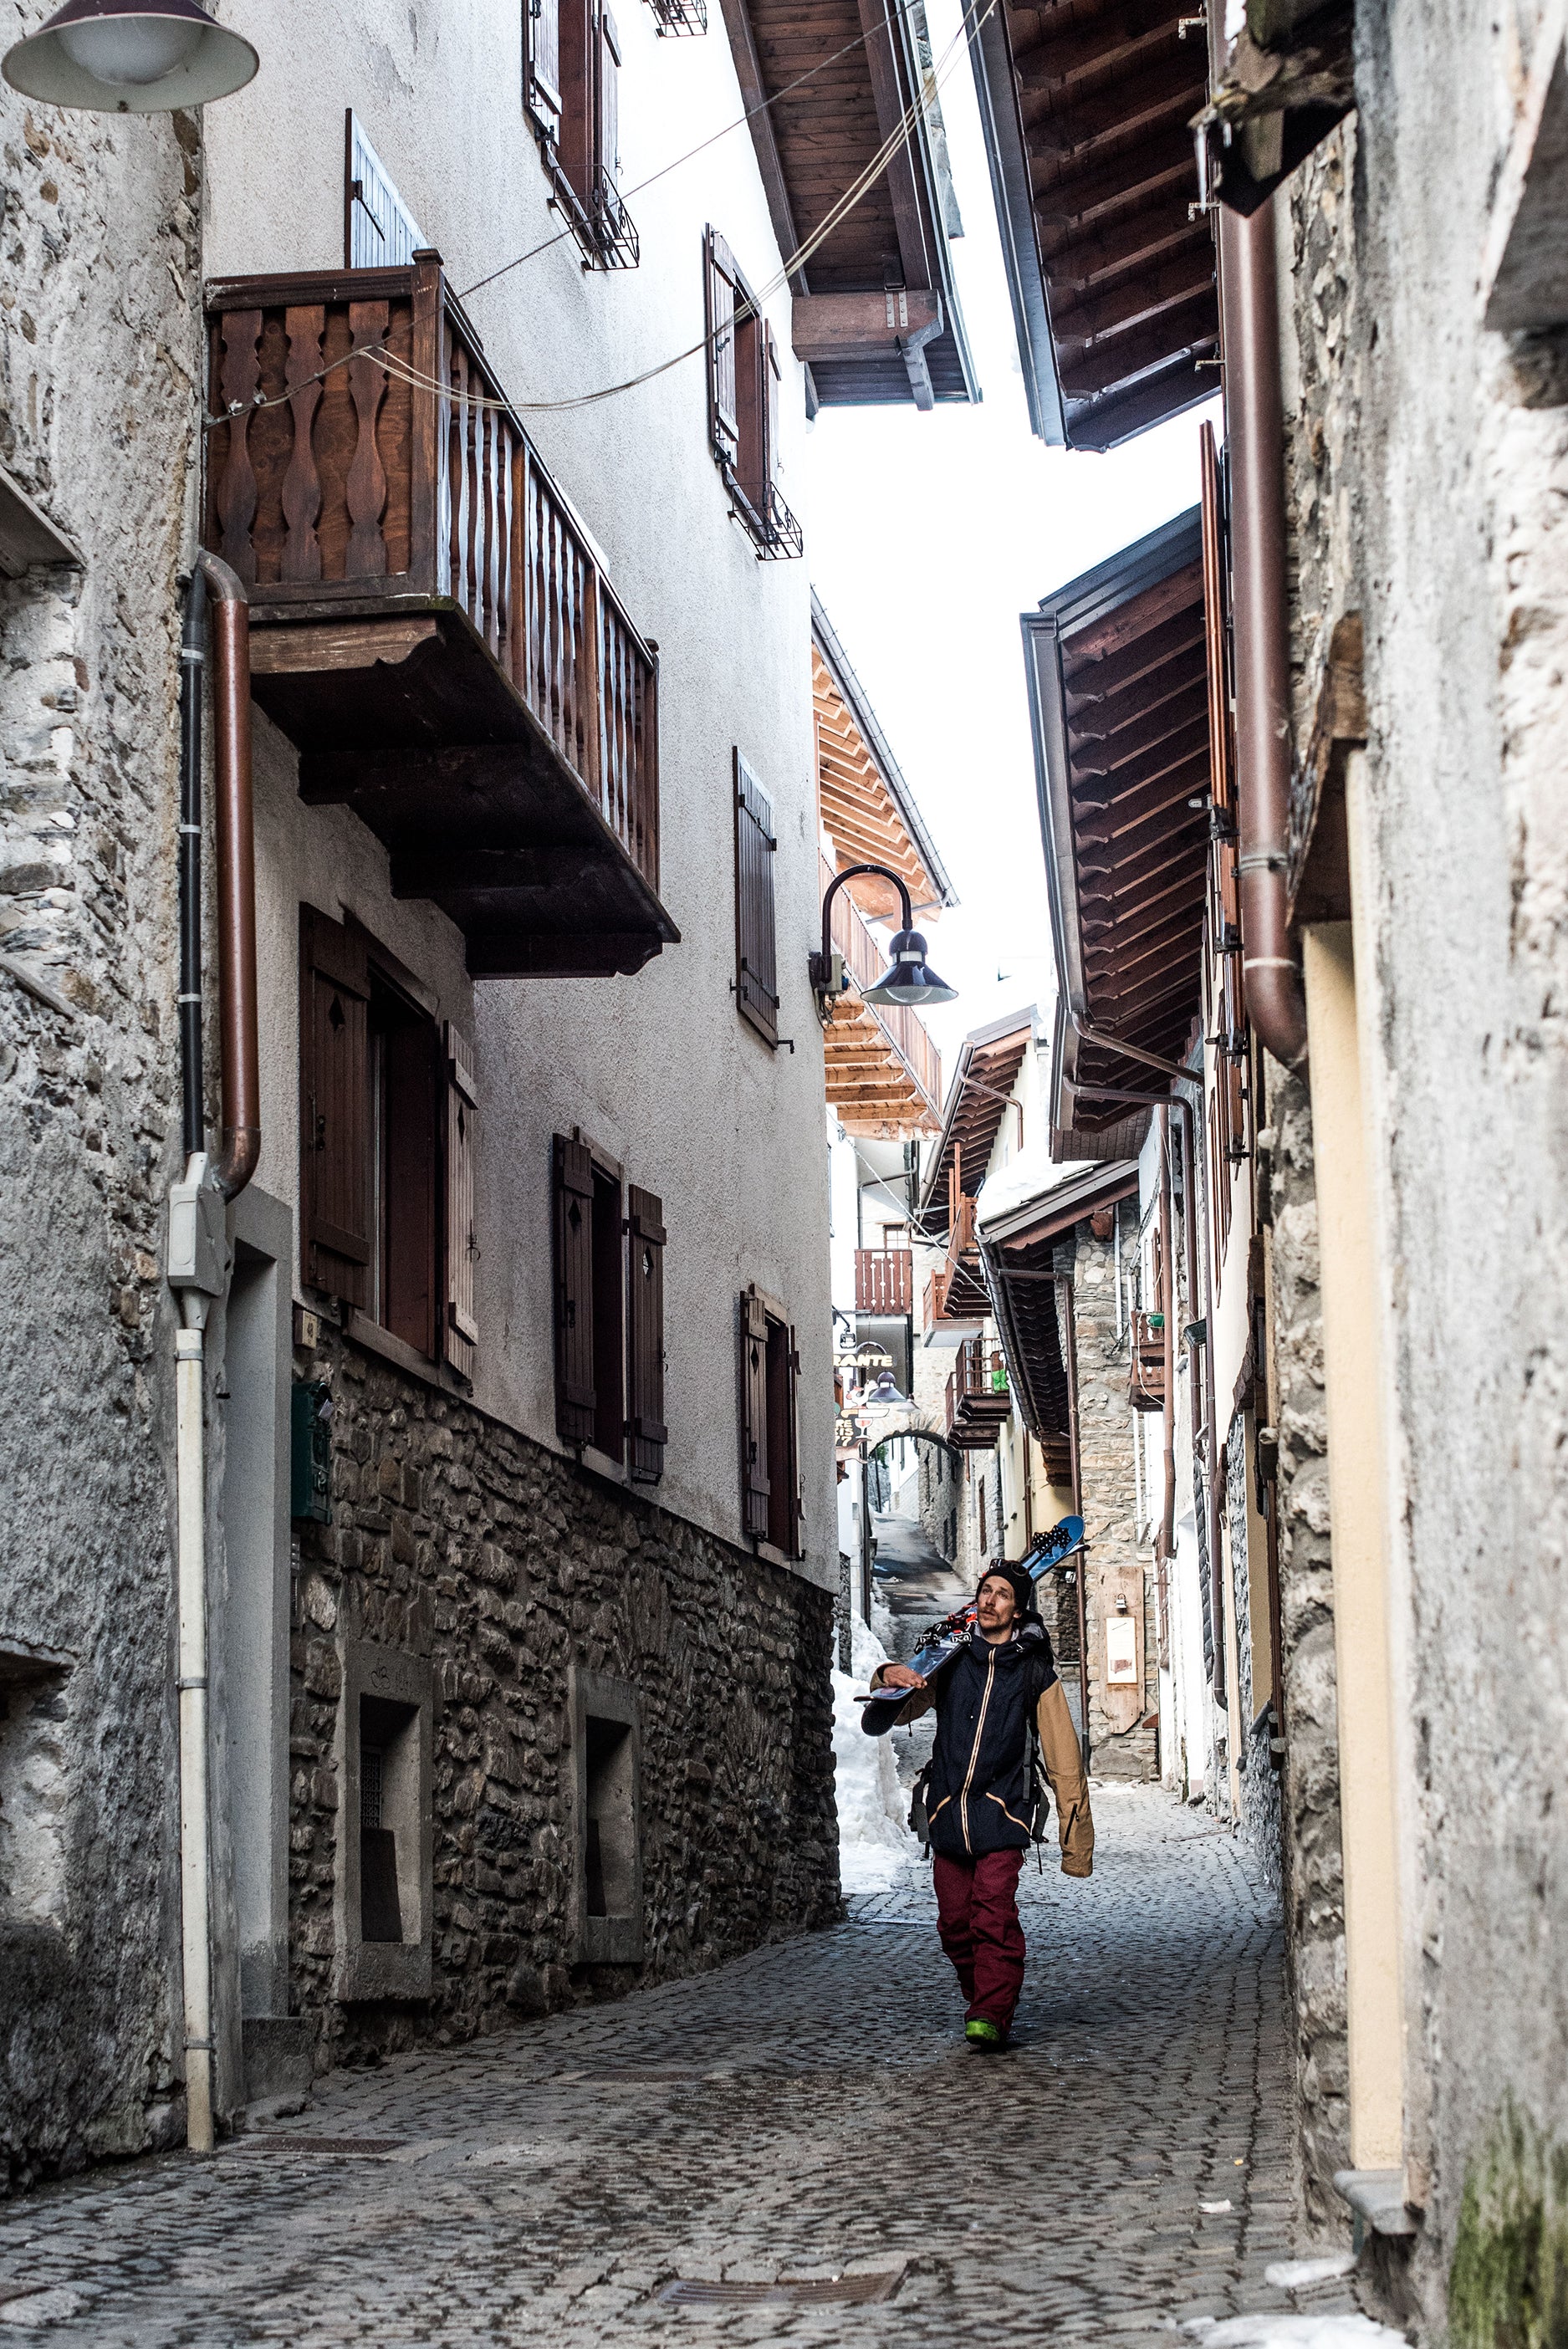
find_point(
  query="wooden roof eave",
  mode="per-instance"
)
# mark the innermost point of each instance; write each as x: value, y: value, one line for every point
x: 1091, y: 600
x: 852, y: 693
x: 1013, y: 191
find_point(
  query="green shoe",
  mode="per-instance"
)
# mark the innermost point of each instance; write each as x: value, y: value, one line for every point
x: 985, y: 2035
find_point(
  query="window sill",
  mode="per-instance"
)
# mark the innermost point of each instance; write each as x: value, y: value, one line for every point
x: 371, y: 1339
x: 1377, y: 2198
x: 790, y: 1561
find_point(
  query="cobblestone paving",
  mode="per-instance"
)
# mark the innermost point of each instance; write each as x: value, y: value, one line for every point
x: 807, y: 2112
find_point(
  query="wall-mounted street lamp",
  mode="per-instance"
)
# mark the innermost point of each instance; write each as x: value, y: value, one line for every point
x: 908, y: 978
x: 129, y: 57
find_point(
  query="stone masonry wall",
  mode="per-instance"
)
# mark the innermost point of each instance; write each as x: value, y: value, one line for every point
x: 458, y: 1540
x: 99, y: 422
x: 1261, y: 1824
x: 1313, y: 1871
x: 1110, y: 1504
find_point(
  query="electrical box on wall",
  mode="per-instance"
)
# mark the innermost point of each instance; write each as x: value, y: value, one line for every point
x: 310, y: 1479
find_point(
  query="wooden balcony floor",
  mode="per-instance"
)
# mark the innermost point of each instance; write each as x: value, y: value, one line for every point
x: 404, y: 714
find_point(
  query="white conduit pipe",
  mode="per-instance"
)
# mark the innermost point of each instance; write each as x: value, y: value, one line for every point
x: 190, y: 1373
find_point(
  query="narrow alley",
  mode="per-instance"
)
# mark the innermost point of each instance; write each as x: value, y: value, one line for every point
x: 769, y: 2146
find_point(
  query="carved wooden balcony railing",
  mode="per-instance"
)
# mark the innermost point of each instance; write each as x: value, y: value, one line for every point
x: 884, y: 1281
x: 956, y: 1291
x: 430, y: 623
x: 883, y: 1073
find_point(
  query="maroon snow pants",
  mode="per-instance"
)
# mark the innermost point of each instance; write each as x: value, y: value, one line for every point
x: 977, y: 1917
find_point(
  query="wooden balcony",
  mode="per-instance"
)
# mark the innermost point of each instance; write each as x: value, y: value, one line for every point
x: 883, y: 1073
x: 430, y: 623
x: 956, y: 1291
x: 979, y: 1400
x: 884, y: 1281
x: 1145, y: 1372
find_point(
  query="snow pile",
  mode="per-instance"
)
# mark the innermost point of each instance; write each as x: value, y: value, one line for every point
x: 1295, y: 2275
x: 1343, y: 2331
x: 874, y: 1841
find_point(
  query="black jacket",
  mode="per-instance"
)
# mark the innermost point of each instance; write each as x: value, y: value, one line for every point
x: 978, y: 1798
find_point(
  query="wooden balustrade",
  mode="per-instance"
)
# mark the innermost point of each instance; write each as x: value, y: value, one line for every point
x: 1145, y: 1370
x: 368, y: 464
x: 884, y: 1281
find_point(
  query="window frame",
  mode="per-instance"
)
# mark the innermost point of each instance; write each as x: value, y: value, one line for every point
x: 575, y: 120
x: 744, y: 380
x: 776, y: 1444
x: 755, y: 981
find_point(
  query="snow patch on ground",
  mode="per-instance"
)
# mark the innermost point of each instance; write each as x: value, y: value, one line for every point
x: 1295, y: 2275
x: 1344, y: 2331
x: 874, y: 1841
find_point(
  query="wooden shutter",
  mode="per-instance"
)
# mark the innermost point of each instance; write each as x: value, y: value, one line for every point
x: 645, y: 1279
x: 795, y: 1543
x: 460, y: 1326
x: 753, y: 1415
x: 757, y: 956
x: 609, y: 99
x: 334, y: 1140
x: 771, y: 377
x: 573, y: 1187
x: 542, y: 62
x: 379, y: 230
x: 719, y: 278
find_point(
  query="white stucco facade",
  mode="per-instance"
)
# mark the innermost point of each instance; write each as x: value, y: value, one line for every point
x: 658, y: 1071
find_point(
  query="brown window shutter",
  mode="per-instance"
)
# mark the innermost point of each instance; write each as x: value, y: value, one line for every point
x: 542, y: 32
x: 573, y: 1186
x: 460, y: 1325
x: 644, y: 1277
x: 756, y: 958
x: 609, y: 99
x: 719, y: 281
x: 753, y: 1415
x: 335, y: 1109
x: 771, y: 377
x: 795, y: 1543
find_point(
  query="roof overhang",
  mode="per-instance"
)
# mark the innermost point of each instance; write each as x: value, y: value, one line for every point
x: 988, y: 1064
x: 1118, y: 709
x: 826, y: 85
x: 1110, y: 265
x: 1015, y: 1252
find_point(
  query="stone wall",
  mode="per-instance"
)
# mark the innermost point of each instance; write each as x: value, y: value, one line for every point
x: 1109, y: 1505
x: 1314, y: 1874
x: 1261, y: 1824
x: 458, y: 1541
x: 99, y: 411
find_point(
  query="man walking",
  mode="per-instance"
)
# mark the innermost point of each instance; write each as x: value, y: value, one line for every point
x: 978, y: 1800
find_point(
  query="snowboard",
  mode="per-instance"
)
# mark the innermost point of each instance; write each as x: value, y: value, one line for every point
x: 942, y: 1643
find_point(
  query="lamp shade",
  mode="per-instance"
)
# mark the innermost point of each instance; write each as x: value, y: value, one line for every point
x: 885, y: 1392
x: 129, y: 57
x: 908, y: 978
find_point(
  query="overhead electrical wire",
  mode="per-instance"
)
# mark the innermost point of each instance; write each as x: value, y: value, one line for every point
x: 394, y: 365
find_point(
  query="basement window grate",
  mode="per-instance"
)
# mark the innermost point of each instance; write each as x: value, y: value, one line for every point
x: 798, y: 2292
x: 372, y: 2148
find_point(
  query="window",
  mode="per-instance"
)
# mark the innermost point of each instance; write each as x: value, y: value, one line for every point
x: 743, y: 376
x: 571, y: 88
x: 605, y: 1815
x: 387, y: 1103
x: 757, y: 961
x: 609, y: 1310
x: 770, y: 1440
x: 379, y: 230
x: 383, y: 1896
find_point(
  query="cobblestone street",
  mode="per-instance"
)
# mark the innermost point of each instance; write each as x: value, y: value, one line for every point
x: 808, y: 2113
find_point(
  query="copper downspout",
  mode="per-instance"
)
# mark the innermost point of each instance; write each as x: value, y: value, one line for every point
x: 1167, y: 1307
x: 1254, y: 415
x: 236, y: 1160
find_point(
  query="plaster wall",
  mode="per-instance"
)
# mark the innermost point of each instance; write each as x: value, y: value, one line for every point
x: 1463, y: 460
x: 657, y: 1069
x: 98, y: 423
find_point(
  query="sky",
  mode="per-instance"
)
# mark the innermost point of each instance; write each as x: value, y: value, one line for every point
x: 929, y: 534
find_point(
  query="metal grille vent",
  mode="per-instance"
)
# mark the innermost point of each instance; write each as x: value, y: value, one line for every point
x: 370, y: 1786
x: 370, y: 2148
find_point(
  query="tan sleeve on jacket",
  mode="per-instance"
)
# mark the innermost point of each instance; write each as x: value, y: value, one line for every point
x: 920, y: 1700
x: 1064, y: 1768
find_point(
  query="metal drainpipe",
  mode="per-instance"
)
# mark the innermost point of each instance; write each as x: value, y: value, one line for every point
x: 1255, y: 416
x: 1167, y: 1300
x: 227, y: 1176
x: 1177, y: 1074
